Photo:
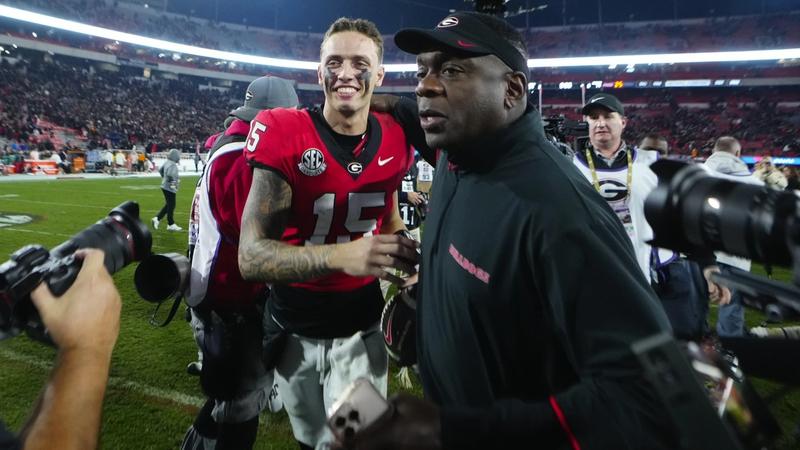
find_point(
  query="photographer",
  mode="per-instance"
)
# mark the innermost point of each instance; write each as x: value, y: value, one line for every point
x: 84, y: 324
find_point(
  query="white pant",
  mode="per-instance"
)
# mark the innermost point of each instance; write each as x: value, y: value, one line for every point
x: 312, y: 374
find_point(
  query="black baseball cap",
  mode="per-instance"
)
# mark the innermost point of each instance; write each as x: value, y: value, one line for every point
x: 465, y: 32
x: 266, y: 93
x: 607, y: 101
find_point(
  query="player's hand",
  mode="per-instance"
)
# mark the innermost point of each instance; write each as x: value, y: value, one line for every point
x: 384, y: 103
x: 717, y: 293
x: 86, y: 317
x: 415, y: 198
x: 376, y: 256
x: 415, y: 425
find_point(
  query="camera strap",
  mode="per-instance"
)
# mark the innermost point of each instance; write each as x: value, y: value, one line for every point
x: 171, y: 314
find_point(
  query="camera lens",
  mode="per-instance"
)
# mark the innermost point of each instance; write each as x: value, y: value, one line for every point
x: 121, y: 236
x: 691, y: 210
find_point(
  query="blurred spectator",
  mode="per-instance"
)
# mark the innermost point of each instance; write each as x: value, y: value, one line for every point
x: 725, y: 162
x: 770, y: 175
x: 792, y: 181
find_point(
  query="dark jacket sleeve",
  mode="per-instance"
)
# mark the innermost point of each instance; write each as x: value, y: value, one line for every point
x: 598, y: 304
x: 407, y: 114
x: 7, y: 440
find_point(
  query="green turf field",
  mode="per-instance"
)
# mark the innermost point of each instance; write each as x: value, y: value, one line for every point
x: 151, y: 400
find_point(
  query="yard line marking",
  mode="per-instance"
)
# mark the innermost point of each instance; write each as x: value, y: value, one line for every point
x: 106, y: 208
x: 115, y: 381
x: 59, y: 204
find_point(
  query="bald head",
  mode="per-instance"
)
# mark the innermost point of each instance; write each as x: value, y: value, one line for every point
x: 728, y: 144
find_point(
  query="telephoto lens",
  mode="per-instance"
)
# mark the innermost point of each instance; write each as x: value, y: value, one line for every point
x: 691, y: 210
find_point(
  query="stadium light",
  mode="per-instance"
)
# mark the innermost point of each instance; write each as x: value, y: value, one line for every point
x: 611, y: 60
x: 667, y: 58
x: 68, y: 25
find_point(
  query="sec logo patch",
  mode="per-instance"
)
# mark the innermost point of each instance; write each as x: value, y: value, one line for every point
x: 312, y: 163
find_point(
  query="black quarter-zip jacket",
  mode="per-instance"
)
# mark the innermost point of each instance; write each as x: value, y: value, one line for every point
x: 530, y: 298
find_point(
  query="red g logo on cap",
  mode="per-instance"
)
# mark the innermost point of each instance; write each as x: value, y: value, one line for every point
x: 448, y: 22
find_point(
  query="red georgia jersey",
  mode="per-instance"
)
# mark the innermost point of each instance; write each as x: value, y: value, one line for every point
x: 336, y: 196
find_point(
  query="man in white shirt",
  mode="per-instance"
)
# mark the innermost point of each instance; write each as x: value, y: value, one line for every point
x: 725, y: 162
x: 622, y: 175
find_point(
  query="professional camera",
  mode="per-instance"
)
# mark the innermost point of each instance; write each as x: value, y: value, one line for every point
x: 692, y: 211
x: 695, y: 211
x: 561, y: 131
x: 123, y: 238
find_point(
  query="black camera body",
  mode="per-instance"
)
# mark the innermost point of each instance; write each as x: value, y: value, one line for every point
x: 28, y: 267
x: 559, y: 130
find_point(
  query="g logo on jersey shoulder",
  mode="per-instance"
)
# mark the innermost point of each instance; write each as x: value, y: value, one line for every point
x: 355, y: 168
x: 312, y: 163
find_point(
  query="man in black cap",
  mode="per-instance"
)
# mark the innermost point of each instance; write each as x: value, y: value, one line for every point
x: 226, y: 310
x: 525, y: 321
x: 622, y: 175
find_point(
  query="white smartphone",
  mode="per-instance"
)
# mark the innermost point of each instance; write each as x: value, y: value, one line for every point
x: 359, y: 406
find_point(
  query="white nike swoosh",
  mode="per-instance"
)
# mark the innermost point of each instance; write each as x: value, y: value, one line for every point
x: 382, y: 162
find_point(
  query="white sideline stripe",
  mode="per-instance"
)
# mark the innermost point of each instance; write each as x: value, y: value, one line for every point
x: 117, y: 382
x: 47, y: 233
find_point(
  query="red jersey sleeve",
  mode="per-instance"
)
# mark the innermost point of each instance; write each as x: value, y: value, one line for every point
x: 266, y: 145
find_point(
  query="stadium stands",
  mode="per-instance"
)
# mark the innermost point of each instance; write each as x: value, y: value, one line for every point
x: 104, y: 106
x: 123, y: 108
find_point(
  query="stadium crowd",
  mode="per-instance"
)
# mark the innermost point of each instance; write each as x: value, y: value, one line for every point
x: 177, y: 114
x: 171, y: 113
x: 106, y: 108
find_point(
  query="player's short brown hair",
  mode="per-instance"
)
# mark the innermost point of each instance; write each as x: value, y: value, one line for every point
x: 363, y: 26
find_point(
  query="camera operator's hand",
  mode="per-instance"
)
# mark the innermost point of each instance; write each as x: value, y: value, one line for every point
x: 415, y: 425
x: 87, y: 315
x: 717, y: 293
x: 84, y: 323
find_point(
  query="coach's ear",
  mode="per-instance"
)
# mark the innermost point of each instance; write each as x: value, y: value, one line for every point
x: 516, y: 89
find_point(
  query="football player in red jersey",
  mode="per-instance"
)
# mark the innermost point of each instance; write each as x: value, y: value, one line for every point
x: 319, y: 225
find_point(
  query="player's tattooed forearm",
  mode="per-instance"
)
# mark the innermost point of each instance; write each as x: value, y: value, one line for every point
x: 275, y: 262
x: 261, y: 254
